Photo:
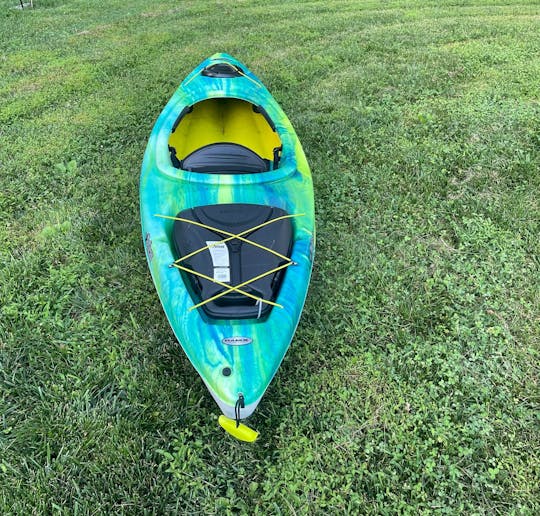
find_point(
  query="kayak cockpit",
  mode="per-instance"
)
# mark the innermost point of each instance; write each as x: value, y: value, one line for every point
x: 226, y: 136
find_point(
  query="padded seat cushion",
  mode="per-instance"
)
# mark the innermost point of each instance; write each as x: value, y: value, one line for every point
x: 235, y: 261
x: 225, y: 158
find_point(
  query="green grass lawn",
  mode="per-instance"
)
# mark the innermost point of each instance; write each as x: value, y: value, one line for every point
x: 412, y: 383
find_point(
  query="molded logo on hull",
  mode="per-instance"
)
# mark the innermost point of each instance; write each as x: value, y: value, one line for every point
x: 237, y: 341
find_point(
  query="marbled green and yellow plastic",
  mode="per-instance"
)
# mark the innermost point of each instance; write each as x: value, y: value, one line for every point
x: 167, y: 190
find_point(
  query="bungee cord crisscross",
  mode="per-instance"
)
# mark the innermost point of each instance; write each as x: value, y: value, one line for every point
x: 233, y: 236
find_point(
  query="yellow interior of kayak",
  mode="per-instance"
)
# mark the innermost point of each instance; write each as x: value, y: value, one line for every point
x: 224, y: 120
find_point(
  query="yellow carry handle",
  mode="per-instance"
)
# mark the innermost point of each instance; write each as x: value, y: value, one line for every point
x: 240, y: 431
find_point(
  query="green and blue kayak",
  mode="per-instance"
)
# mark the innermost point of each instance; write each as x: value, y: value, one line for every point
x: 227, y: 216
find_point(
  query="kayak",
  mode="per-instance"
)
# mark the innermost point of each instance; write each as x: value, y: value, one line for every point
x: 228, y: 226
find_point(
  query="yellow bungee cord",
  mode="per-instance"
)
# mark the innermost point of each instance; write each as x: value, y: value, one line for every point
x: 232, y: 236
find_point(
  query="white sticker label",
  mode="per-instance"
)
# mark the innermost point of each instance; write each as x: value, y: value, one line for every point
x: 219, y: 252
x: 222, y: 274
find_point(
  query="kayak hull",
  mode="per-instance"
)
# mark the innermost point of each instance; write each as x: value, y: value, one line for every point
x: 249, y: 350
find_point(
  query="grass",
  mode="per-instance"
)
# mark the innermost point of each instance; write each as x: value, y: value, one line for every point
x: 412, y: 382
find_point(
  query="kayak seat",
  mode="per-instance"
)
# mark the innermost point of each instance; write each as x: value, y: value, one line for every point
x: 225, y: 158
x: 233, y: 262
x: 229, y: 134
